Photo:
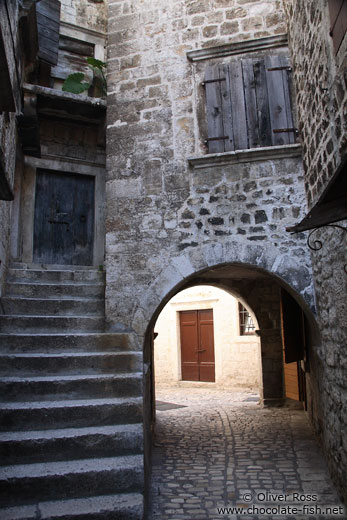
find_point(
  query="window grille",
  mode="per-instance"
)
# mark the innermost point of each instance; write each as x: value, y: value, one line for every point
x: 247, y: 325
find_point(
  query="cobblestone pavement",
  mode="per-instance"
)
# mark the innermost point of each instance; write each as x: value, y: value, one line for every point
x: 220, y: 449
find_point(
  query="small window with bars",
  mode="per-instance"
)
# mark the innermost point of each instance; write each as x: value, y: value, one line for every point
x: 246, y: 322
x: 248, y: 104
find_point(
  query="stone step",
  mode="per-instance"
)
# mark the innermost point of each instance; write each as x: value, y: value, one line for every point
x: 127, y: 506
x: 70, y: 387
x: 70, y: 479
x: 21, y: 416
x: 73, y: 443
x: 55, y: 275
x: 53, y: 306
x: 70, y: 363
x: 55, y: 290
x: 51, y: 324
x: 63, y: 342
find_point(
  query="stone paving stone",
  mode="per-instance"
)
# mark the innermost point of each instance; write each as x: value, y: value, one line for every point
x: 223, y: 451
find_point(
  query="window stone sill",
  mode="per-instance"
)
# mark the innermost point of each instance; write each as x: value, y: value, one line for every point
x: 244, y: 156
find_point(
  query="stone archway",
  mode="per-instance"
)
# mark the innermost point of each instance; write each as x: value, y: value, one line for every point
x: 259, y: 289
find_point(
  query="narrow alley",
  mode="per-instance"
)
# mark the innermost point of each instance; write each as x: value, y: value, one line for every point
x: 216, y: 449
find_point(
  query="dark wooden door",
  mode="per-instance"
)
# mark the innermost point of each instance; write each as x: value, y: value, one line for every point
x: 64, y: 218
x: 293, y: 344
x: 197, y: 345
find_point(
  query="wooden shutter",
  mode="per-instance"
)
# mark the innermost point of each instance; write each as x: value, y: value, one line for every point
x: 281, y: 120
x: 338, y: 21
x: 218, y: 106
x: 48, y: 23
x: 248, y: 104
x: 293, y: 331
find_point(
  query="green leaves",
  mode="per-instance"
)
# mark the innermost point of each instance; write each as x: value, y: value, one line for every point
x: 94, y: 63
x: 73, y: 83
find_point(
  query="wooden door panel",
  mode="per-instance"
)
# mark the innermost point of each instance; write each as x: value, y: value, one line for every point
x: 197, y: 345
x: 189, y: 346
x: 64, y: 218
x: 206, y: 345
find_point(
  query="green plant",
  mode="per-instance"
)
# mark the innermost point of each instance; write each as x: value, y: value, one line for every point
x: 76, y: 84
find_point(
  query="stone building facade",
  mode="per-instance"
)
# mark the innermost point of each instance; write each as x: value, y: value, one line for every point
x: 320, y: 77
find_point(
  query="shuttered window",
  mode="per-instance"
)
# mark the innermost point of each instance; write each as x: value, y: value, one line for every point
x: 338, y: 21
x: 48, y: 23
x: 248, y: 104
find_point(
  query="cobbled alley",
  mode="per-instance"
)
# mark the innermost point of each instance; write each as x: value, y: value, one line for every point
x: 216, y: 451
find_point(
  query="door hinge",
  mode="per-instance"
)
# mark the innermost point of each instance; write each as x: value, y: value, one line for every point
x: 216, y: 138
x: 287, y: 130
x: 212, y: 81
x: 280, y: 68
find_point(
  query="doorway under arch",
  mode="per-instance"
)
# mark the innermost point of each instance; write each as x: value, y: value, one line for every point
x: 206, y: 337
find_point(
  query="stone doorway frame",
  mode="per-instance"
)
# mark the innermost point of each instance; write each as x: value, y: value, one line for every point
x: 23, y: 218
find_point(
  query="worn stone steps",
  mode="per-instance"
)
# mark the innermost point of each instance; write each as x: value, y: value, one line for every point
x: 65, y: 341
x: 69, y: 363
x: 55, y: 275
x: 70, y: 386
x: 15, y: 323
x: 54, y: 290
x: 70, y: 413
x: 71, y: 409
x: 128, y: 506
x: 73, y: 478
x: 70, y: 443
x: 55, y: 306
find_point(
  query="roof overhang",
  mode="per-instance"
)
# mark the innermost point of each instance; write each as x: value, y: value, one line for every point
x: 331, y: 206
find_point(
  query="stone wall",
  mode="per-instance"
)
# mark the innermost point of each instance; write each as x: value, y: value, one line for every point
x: 320, y: 82
x: 90, y: 14
x: 237, y: 357
x: 159, y: 207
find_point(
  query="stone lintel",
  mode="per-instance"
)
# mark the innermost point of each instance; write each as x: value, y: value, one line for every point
x: 65, y: 164
x: 231, y: 49
x: 243, y: 156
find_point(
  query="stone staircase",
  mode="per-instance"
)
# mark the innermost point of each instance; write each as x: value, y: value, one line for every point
x: 71, y: 433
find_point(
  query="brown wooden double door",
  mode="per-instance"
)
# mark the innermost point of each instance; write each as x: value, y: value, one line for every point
x: 197, y: 345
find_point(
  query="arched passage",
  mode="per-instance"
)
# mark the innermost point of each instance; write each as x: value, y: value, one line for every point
x: 261, y: 291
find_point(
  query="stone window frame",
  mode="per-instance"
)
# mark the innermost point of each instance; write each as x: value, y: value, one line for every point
x: 84, y: 35
x: 199, y: 60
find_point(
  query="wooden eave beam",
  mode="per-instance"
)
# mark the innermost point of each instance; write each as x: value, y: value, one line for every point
x: 63, y: 105
x: 331, y: 206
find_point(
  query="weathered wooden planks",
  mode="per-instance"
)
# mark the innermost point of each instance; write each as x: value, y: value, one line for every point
x: 48, y: 23
x: 248, y: 104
